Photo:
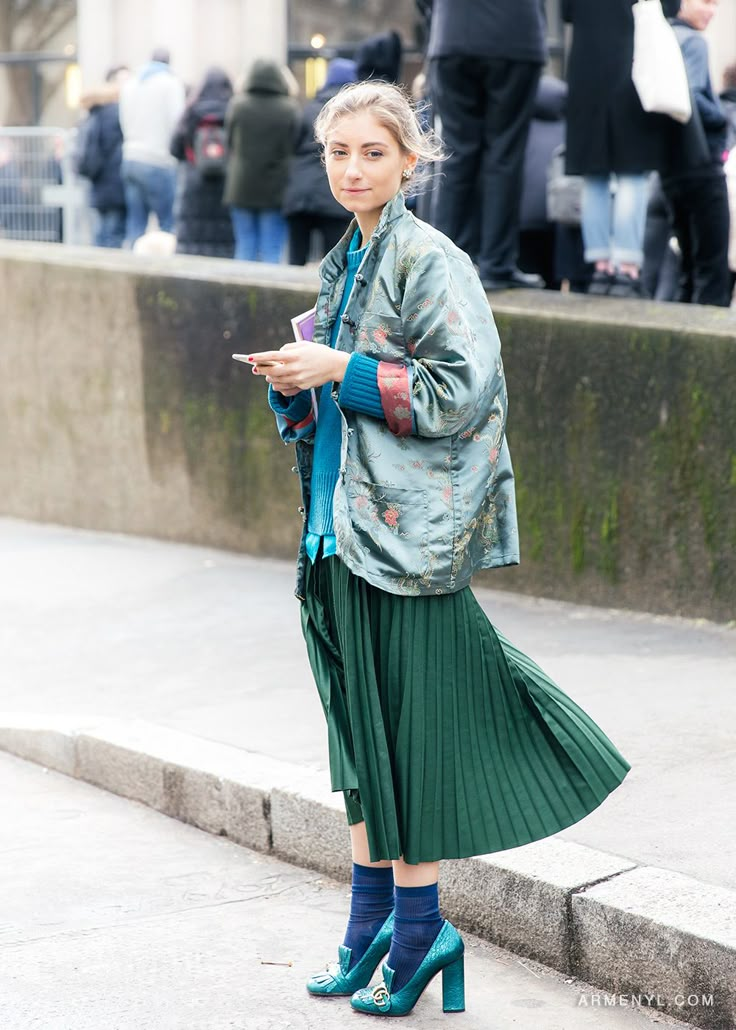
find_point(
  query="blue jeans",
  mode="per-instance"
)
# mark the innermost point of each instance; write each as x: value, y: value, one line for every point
x: 148, y: 188
x: 259, y: 235
x: 613, y: 220
x: 110, y: 231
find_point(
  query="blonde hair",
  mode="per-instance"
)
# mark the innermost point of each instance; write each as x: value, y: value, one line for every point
x: 396, y: 112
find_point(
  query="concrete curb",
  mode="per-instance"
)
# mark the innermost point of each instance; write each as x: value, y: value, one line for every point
x: 626, y: 928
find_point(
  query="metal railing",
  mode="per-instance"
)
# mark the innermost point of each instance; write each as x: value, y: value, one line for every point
x: 41, y: 198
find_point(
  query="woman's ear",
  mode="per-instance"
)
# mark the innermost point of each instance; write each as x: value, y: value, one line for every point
x: 409, y: 167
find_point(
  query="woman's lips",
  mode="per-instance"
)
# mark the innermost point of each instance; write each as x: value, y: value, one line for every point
x: 353, y: 190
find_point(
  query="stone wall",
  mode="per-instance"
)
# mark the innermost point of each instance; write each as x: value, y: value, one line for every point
x: 121, y: 409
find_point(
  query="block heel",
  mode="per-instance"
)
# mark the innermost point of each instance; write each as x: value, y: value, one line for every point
x: 445, y: 955
x: 453, y: 986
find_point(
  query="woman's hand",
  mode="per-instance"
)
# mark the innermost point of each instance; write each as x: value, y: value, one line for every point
x: 300, y: 366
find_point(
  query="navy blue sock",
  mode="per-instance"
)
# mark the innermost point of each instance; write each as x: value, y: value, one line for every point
x: 417, y: 921
x: 371, y: 903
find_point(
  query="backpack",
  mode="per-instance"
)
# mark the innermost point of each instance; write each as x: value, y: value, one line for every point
x: 210, y: 148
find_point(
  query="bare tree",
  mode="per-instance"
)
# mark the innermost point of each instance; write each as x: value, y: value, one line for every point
x: 31, y: 25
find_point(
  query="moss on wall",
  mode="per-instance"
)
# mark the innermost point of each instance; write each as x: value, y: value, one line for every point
x: 622, y: 440
x: 208, y: 410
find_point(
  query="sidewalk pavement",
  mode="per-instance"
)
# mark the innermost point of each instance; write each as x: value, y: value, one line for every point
x: 639, y: 896
x: 118, y: 917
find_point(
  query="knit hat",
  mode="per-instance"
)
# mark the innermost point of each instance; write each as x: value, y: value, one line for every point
x: 340, y: 71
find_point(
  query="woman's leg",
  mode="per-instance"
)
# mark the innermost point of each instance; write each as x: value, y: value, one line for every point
x: 417, y: 919
x: 371, y: 899
x: 415, y: 875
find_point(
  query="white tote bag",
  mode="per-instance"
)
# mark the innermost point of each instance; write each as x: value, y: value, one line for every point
x: 659, y: 71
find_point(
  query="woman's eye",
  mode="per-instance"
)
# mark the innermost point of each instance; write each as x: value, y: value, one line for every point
x: 375, y: 153
x: 337, y: 153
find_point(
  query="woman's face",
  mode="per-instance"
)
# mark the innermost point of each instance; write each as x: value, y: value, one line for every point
x: 364, y: 166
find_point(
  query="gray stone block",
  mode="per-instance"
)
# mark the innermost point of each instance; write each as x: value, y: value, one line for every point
x: 218, y: 788
x: 121, y: 768
x: 663, y: 934
x: 47, y: 740
x: 309, y: 827
x: 520, y: 899
x: 223, y: 789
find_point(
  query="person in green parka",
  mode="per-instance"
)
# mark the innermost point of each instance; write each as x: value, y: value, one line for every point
x: 445, y: 739
x: 261, y: 125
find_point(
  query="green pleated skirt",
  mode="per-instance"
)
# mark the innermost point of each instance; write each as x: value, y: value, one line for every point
x: 446, y: 739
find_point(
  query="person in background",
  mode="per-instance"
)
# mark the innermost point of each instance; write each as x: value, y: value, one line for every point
x: 730, y: 170
x: 261, y: 125
x: 660, y: 273
x: 485, y: 60
x: 202, y: 221
x: 537, y: 236
x: 611, y: 141
x: 728, y: 103
x: 693, y: 181
x: 99, y: 158
x: 151, y: 103
x: 308, y: 205
x: 379, y: 57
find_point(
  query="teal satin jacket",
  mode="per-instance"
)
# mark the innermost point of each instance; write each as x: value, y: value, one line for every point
x: 426, y: 497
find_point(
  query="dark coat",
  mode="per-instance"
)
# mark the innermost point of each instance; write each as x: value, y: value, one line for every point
x: 203, y: 224
x: 607, y: 128
x: 101, y: 155
x: 696, y: 149
x: 712, y: 116
x: 728, y: 103
x: 514, y: 30
x: 308, y: 191
x: 379, y: 57
x: 261, y: 125
x: 546, y: 133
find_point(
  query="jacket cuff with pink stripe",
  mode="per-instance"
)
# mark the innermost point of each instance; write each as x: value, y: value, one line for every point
x: 381, y: 389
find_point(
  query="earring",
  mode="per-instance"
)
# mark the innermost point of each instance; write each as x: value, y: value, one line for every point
x: 406, y: 174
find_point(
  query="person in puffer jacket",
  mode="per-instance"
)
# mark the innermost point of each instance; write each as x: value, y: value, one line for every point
x: 99, y: 158
x: 202, y: 222
x: 261, y: 126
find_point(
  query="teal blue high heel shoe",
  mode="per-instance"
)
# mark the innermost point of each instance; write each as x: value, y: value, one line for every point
x: 446, y: 954
x: 339, y: 980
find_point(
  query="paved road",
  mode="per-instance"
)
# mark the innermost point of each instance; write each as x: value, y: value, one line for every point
x: 208, y: 642
x: 115, y: 916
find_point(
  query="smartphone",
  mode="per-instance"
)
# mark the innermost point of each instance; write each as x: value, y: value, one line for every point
x: 261, y: 364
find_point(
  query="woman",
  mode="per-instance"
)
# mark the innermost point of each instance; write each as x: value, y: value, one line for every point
x: 611, y: 141
x: 446, y: 741
x: 261, y: 129
x: 202, y: 220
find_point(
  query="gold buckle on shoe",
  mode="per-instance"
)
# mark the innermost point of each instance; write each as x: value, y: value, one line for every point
x: 381, y: 995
